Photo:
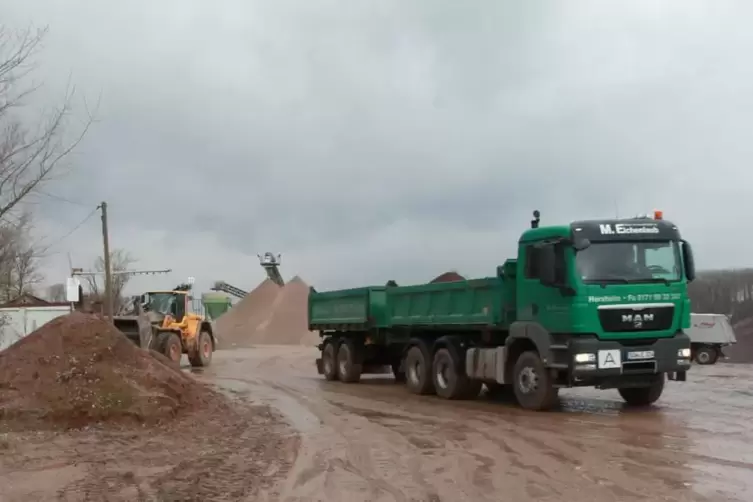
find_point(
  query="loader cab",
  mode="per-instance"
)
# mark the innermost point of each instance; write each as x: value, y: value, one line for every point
x: 166, y: 302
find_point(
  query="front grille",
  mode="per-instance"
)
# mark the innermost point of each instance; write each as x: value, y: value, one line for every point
x: 635, y: 320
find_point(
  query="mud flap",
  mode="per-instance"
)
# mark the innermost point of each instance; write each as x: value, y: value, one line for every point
x: 376, y: 369
x: 679, y: 376
x: 319, y: 366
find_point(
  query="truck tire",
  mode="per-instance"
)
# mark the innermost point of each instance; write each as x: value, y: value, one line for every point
x: 329, y: 361
x: 418, y: 371
x: 706, y: 355
x: 349, y: 366
x: 532, y: 383
x: 201, y: 356
x: 170, y: 346
x: 644, y: 396
x: 449, y: 383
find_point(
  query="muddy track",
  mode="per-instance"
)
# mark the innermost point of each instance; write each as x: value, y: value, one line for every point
x: 231, y: 458
x: 374, y: 441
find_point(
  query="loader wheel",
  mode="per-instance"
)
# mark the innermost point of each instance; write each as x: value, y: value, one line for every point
x: 201, y: 356
x: 418, y: 371
x: 349, y: 365
x: 170, y: 346
x: 329, y: 361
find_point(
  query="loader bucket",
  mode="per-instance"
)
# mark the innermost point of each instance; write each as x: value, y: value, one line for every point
x: 136, y: 328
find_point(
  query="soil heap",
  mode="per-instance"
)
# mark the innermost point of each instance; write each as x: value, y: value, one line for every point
x: 450, y: 276
x: 270, y: 314
x: 78, y: 369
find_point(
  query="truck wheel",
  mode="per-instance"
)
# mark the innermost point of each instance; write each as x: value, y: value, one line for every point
x: 644, y: 396
x: 170, y: 346
x: 533, y: 384
x: 706, y: 355
x: 348, y: 362
x: 418, y: 371
x: 201, y: 356
x: 399, y: 375
x: 329, y: 361
x: 449, y: 384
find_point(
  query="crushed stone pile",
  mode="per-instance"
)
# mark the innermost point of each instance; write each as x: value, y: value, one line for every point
x: 78, y: 369
x: 268, y: 315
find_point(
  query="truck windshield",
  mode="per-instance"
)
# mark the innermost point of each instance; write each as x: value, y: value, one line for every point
x: 643, y: 261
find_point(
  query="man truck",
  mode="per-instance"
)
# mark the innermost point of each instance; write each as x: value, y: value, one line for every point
x: 594, y: 303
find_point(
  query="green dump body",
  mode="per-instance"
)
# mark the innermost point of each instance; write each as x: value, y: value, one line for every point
x: 215, y: 304
x: 477, y: 302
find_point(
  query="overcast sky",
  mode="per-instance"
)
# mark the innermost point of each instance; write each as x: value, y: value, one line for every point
x: 392, y: 139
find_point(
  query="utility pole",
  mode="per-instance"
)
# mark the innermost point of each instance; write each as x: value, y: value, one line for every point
x: 108, y: 269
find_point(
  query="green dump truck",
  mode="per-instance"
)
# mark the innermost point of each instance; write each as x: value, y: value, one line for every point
x: 594, y: 303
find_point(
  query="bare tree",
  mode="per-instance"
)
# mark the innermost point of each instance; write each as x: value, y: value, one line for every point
x: 56, y: 293
x: 29, y: 154
x: 727, y: 292
x: 19, y: 259
x: 120, y: 260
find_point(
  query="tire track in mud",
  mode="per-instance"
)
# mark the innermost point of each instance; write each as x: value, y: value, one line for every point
x: 374, y: 441
x: 349, y: 460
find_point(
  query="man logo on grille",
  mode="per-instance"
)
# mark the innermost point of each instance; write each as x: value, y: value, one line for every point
x: 637, y: 319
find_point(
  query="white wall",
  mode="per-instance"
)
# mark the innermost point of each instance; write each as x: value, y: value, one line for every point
x: 18, y: 322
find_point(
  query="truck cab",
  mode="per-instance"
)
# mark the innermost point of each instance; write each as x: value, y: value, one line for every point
x: 605, y: 302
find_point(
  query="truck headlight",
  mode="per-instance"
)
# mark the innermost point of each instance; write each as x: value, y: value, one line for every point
x: 585, y: 358
x: 683, y: 353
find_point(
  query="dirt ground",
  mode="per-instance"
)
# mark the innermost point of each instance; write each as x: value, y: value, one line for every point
x: 235, y: 457
x: 375, y: 442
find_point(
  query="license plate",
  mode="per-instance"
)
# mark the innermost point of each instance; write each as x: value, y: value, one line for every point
x: 641, y: 354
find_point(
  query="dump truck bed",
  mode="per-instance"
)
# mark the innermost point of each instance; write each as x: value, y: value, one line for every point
x: 476, y: 302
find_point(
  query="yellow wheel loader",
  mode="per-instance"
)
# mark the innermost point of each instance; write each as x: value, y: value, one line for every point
x: 164, y: 321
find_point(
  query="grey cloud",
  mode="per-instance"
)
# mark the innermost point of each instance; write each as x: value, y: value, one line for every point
x: 308, y: 128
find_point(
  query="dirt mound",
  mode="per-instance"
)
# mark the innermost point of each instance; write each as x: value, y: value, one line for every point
x: 742, y: 351
x: 450, y: 276
x: 78, y: 369
x: 269, y: 314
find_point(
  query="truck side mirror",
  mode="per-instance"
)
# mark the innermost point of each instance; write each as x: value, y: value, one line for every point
x: 547, y: 262
x: 688, y: 260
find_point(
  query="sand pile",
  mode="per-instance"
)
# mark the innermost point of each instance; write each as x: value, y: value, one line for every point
x: 79, y: 369
x: 269, y: 314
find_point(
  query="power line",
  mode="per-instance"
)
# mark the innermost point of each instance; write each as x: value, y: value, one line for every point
x: 61, y: 198
x: 68, y: 234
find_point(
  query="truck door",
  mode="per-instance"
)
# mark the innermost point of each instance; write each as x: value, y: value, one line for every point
x: 543, y: 294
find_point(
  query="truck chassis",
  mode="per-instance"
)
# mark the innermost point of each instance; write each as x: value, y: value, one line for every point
x: 530, y: 364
